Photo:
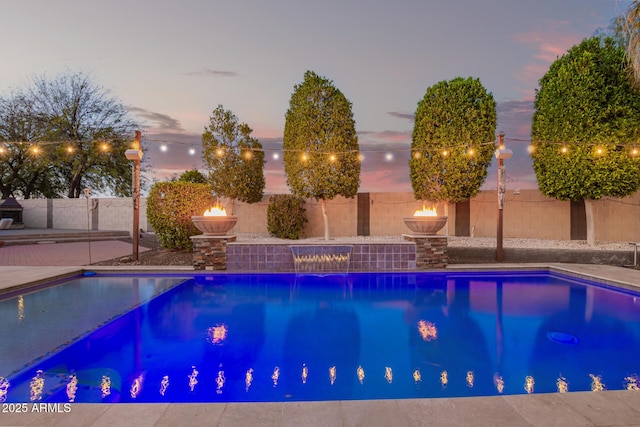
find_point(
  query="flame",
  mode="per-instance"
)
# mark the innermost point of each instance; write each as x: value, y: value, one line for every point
x: 427, y: 330
x: 426, y: 212
x: 305, y: 373
x: 275, y: 376
x: 217, y: 334
x: 216, y: 210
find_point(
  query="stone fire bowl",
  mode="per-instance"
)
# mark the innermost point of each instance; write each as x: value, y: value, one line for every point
x: 214, y: 225
x: 425, y: 225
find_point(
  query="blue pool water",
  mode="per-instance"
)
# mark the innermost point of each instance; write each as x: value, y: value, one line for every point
x: 281, y: 337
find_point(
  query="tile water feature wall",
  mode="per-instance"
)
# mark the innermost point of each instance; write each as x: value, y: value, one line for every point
x: 378, y: 256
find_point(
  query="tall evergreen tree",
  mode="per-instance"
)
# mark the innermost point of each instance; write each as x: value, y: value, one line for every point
x: 234, y: 158
x: 321, y: 153
x: 585, y: 125
x: 450, y: 156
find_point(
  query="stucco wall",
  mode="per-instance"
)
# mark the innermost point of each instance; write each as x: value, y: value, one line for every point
x: 528, y: 214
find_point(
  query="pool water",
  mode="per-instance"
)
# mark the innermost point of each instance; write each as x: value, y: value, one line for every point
x: 282, y: 337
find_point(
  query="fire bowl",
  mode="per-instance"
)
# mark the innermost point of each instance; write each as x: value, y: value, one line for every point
x: 214, y: 225
x: 425, y: 225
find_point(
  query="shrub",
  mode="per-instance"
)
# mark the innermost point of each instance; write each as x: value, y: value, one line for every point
x: 170, y: 206
x: 286, y: 216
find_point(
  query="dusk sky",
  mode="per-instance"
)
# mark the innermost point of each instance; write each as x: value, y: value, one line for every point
x: 172, y: 62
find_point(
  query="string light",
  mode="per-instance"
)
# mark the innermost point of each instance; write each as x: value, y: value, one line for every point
x: 416, y: 153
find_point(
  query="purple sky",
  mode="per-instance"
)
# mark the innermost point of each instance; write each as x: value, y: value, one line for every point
x: 173, y: 62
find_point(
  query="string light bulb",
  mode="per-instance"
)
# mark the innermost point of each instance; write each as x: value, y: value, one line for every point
x: 388, y: 157
x: 70, y: 149
x: 599, y: 151
x: 564, y: 149
x: 360, y: 157
x: 104, y: 147
x: 275, y: 156
x: 332, y: 158
x: 471, y: 152
x: 219, y: 152
x: 531, y: 148
x: 305, y: 157
x: 248, y: 155
x: 445, y: 153
x: 164, y: 148
x: 2, y: 149
x: 35, y: 150
x: 192, y: 151
x: 417, y: 155
x: 634, y: 151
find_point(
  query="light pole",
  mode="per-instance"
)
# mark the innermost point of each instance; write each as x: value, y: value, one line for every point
x: 502, y: 153
x: 135, y: 154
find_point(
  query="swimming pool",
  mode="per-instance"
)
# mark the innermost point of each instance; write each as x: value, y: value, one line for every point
x: 280, y: 337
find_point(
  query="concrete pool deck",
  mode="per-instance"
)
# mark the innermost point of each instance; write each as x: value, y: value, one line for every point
x: 608, y: 408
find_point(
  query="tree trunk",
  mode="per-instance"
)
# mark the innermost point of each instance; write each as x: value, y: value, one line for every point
x: 446, y: 213
x: 325, y: 219
x: 591, y: 228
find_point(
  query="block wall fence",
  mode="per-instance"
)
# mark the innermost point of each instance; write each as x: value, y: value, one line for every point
x: 528, y: 214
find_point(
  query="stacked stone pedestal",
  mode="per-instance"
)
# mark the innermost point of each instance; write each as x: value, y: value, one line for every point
x: 431, y: 251
x: 210, y: 252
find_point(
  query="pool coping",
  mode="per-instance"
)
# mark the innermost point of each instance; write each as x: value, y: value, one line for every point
x: 577, y: 408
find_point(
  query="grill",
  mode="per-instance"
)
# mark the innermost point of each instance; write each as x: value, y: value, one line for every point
x: 10, y: 208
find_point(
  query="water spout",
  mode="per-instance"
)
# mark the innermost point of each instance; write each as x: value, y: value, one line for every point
x: 321, y: 258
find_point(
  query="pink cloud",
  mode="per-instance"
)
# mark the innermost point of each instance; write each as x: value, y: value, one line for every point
x: 547, y: 45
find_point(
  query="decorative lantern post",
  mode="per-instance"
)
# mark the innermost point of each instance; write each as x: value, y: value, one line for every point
x: 502, y: 153
x: 135, y: 154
